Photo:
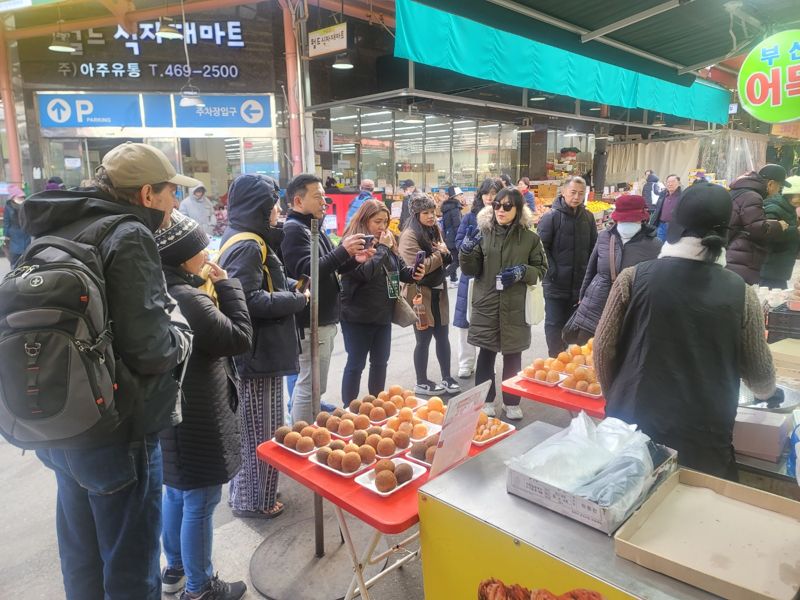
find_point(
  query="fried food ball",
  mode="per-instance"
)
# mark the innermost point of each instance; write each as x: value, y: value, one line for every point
x: 299, y: 426
x: 281, y: 432
x: 403, y: 472
x: 291, y: 439
x: 386, y: 447
x: 390, y: 409
x: 351, y: 447
x: 418, y: 450
x: 367, y: 454
x: 385, y: 481
x: 359, y: 437
x: 385, y: 464
x: 332, y: 424
x: 322, y: 418
x: 346, y: 428
x: 401, y: 440
x: 354, y: 406
x: 361, y: 422
x: 351, y: 462
x: 373, y: 440
x: 335, y: 459
x: 429, y: 454
x: 322, y: 455
x: 377, y: 414
x: 321, y: 437
x: 308, y: 431
x: 366, y: 408
x: 337, y: 445
x: 305, y: 444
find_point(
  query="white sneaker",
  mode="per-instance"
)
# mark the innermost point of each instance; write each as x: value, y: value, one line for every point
x: 488, y: 408
x: 464, y: 373
x: 513, y: 412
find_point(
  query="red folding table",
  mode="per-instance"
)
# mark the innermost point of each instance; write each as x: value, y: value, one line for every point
x: 387, y: 515
x: 555, y: 396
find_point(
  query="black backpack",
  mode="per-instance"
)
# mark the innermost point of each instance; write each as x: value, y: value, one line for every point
x: 56, y: 360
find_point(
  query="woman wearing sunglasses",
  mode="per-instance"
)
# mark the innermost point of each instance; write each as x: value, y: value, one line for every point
x: 504, y: 256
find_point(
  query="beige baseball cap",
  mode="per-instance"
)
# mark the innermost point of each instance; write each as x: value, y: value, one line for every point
x: 132, y: 165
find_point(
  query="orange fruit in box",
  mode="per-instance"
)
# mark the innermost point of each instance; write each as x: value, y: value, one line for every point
x: 395, y: 390
x: 581, y: 373
x: 553, y: 377
x: 436, y: 403
x: 405, y: 414
x: 538, y: 364
x: 419, y: 431
x: 564, y: 357
x: 579, y: 360
x: 422, y: 413
x: 529, y: 372
x: 548, y: 362
x: 541, y: 375
x: 570, y: 382
x: 575, y: 350
x: 436, y: 417
x: 582, y: 386
x: 570, y: 368
x: 558, y: 366
x: 594, y: 388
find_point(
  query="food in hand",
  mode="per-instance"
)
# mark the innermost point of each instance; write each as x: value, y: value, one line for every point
x: 385, y: 481
x: 280, y: 433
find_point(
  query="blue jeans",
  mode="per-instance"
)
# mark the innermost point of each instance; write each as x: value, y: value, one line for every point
x: 108, y: 519
x: 188, y: 532
x: 661, y: 231
x: 361, y: 340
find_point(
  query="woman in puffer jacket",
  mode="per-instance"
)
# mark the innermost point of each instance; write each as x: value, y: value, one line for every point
x: 469, y: 223
x: 630, y: 241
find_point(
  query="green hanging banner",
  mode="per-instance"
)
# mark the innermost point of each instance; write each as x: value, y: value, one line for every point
x: 769, y: 80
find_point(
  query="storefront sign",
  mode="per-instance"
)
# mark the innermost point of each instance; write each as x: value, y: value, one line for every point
x: 769, y: 79
x: 327, y: 41
x: 77, y: 111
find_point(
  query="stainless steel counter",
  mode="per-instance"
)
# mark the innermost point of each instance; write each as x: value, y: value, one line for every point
x: 478, y: 488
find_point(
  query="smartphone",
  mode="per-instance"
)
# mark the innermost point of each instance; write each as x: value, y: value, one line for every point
x: 303, y: 284
x: 419, y: 259
x: 368, y: 241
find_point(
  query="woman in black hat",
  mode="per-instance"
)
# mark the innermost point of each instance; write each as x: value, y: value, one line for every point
x: 679, y: 333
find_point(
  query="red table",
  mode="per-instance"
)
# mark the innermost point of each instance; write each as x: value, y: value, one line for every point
x: 555, y: 396
x: 390, y: 515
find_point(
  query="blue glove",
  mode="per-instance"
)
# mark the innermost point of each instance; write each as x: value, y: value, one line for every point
x: 472, y: 239
x: 511, y: 275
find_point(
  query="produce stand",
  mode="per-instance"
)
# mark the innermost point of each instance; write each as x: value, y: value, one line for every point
x: 472, y: 530
x: 387, y: 516
x: 555, y: 396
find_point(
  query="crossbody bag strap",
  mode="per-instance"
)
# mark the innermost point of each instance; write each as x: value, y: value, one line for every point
x: 612, y: 257
x: 262, y: 245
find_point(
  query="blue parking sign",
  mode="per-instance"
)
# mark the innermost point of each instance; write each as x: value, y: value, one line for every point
x: 226, y: 111
x: 89, y: 110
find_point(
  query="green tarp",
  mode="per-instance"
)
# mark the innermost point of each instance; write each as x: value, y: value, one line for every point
x: 437, y: 38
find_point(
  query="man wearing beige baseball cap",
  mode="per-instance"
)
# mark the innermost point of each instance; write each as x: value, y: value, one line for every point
x: 109, y: 492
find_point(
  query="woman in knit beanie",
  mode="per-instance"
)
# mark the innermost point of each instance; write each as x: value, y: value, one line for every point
x: 422, y: 234
x: 203, y: 452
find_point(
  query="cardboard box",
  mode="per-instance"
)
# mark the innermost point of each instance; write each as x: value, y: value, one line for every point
x: 761, y: 433
x: 728, y: 539
x: 587, y: 512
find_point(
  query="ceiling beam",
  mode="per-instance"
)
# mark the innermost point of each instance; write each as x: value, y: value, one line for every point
x: 635, y: 18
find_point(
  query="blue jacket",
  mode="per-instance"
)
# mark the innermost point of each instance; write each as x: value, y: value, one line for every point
x: 460, y: 313
x: 355, y: 205
x: 530, y: 200
x: 275, y: 340
x: 451, y: 220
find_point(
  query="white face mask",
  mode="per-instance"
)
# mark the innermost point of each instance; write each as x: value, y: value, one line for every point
x: 628, y: 230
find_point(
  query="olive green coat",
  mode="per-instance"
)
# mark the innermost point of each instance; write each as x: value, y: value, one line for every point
x: 498, y: 317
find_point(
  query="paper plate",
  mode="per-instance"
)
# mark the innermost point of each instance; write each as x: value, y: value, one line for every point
x: 586, y: 394
x: 367, y: 480
x: 293, y: 451
x: 313, y: 459
x: 561, y: 377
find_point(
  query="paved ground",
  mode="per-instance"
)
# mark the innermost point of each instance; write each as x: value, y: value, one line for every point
x: 29, y: 564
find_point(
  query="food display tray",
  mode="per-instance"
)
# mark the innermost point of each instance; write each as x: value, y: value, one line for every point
x: 361, y: 469
x: 293, y: 451
x: 511, y: 429
x: 433, y: 429
x: 561, y: 377
x: 367, y: 480
x: 586, y: 394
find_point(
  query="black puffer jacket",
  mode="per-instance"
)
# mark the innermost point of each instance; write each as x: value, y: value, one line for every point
x: 147, y: 346
x: 750, y: 230
x: 365, y: 293
x: 275, y: 342
x: 204, y: 449
x: 451, y: 219
x: 568, y: 238
x: 296, y: 249
x: 641, y: 247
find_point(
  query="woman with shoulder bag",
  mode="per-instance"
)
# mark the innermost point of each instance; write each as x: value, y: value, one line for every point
x: 423, y: 237
x: 370, y: 293
x: 504, y: 256
x: 202, y: 452
x: 630, y: 241
x: 247, y: 254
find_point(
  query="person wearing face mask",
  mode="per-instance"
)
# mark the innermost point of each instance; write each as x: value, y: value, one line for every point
x: 369, y: 294
x: 202, y: 452
x: 469, y: 223
x: 668, y: 200
x: 248, y: 254
x: 630, y: 241
x: 568, y: 234
x: 504, y: 256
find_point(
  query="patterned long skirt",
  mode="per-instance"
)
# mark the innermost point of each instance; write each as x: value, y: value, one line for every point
x: 255, y: 487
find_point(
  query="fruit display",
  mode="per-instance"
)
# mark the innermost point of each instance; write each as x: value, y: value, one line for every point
x: 490, y: 428
x: 389, y: 475
x: 596, y: 206
x: 573, y: 370
x: 433, y: 411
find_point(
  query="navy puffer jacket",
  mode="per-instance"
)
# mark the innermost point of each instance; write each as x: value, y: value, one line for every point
x: 597, y: 284
x: 469, y: 220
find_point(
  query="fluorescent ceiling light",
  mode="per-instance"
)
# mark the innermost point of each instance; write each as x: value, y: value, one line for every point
x: 60, y: 43
x: 526, y: 130
x: 595, y: 108
x: 537, y: 98
x: 343, y: 62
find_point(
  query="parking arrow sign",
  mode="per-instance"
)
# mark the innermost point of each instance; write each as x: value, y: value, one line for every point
x: 59, y: 110
x: 252, y: 111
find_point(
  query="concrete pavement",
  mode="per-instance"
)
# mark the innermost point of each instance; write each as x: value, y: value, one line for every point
x: 29, y: 563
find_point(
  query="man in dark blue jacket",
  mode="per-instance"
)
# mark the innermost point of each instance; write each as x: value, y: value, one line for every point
x: 451, y: 219
x: 307, y: 198
x: 109, y: 495
x: 367, y: 187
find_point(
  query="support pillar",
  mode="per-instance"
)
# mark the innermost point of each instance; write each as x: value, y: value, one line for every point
x: 292, y: 90
x: 14, y: 173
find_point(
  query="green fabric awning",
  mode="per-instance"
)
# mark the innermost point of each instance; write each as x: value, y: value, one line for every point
x: 441, y: 39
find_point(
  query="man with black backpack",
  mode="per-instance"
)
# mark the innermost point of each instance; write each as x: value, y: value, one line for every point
x: 89, y: 367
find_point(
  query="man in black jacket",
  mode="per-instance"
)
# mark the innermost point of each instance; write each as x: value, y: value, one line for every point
x: 451, y: 219
x: 307, y: 198
x: 109, y: 496
x: 568, y: 234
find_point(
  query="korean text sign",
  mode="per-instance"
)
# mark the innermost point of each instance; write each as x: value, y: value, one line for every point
x: 769, y: 80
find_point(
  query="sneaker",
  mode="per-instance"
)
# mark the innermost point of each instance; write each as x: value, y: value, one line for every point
x: 451, y: 385
x: 513, y: 413
x: 216, y: 589
x: 428, y: 389
x: 452, y: 284
x: 488, y: 408
x: 172, y: 580
x: 464, y: 373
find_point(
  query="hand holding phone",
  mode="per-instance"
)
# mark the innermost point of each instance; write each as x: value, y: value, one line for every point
x: 368, y: 241
x: 419, y: 259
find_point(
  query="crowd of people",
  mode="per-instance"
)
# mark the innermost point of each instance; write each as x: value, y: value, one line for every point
x: 236, y: 324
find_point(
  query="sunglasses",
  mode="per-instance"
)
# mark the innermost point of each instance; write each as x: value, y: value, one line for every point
x: 506, y: 206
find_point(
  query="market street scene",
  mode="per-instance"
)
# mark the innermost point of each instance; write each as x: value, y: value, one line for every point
x: 400, y: 299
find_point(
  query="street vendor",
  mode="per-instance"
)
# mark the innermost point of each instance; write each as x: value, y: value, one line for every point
x: 679, y: 333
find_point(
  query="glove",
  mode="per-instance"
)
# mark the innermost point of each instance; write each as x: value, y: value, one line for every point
x: 511, y: 275
x: 776, y: 399
x: 472, y: 239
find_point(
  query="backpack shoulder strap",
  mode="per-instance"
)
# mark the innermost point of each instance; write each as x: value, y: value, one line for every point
x: 246, y: 235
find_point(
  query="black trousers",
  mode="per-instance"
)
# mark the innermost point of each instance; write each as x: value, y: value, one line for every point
x: 452, y: 268
x: 437, y: 330
x: 484, y: 371
x: 557, y: 312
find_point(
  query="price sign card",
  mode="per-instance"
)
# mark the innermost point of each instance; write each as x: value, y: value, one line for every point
x: 458, y: 428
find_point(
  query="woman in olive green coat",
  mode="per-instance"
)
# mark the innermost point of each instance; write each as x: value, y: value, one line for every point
x: 504, y: 256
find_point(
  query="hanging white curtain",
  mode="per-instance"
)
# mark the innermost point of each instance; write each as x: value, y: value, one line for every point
x: 730, y: 153
x: 628, y: 161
